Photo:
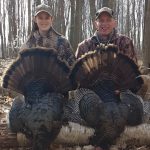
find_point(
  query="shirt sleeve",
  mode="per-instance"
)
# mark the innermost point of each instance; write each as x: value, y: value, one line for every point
x: 69, y: 53
x: 24, y: 46
x: 126, y: 47
x: 81, y: 49
x: 65, y: 50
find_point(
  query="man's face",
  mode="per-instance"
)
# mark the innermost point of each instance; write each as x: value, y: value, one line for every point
x: 105, y: 24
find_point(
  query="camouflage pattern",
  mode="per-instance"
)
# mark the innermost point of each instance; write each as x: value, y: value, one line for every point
x: 44, y: 8
x: 106, y: 10
x: 124, y: 43
x: 53, y: 40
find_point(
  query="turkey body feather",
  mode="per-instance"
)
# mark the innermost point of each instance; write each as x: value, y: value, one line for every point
x: 40, y: 122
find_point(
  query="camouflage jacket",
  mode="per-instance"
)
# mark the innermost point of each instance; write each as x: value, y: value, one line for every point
x: 124, y: 43
x: 53, y: 40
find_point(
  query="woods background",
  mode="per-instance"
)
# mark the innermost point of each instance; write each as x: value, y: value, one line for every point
x: 74, y: 19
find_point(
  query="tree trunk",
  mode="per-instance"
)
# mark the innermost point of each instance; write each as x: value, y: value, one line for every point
x: 72, y: 26
x: 1, y: 36
x: 122, y: 20
x: 92, y: 12
x: 109, y: 3
x: 59, y: 19
x: 139, y: 135
x: 7, y: 139
x: 37, y: 2
x: 4, y: 33
x: 139, y: 27
x: 128, y: 20
x: 146, y: 42
x: 29, y: 16
x: 78, y: 23
x: 74, y: 130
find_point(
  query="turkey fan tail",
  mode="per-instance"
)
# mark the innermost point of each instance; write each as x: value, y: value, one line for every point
x: 37, y: 68
x: 87, y: 68
x: 106, y: 64
x: 126, y: 73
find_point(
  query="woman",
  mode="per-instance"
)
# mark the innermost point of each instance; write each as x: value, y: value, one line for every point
x: 44, y: 35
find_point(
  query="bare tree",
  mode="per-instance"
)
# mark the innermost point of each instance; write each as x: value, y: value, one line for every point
x: 1, y: 35
x: 30, y: 16
x: 134, y: 21
x: 72, y: 26
x: 59, y: 19
x: 92, y: 12
x: 4, y: 32
x: 109, y: 3
x: 127, y: 31
x: 78, y: 23
x: 146, y: 42
x: 37, y: 2
x: 73, y: 18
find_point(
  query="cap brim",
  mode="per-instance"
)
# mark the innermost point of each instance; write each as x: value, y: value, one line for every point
x: 42, y: 11
x: 104, y: 12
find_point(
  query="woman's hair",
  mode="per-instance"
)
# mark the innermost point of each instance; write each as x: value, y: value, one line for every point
x: 34, y: 26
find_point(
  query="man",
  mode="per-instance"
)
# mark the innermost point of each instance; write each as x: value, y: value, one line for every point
x: 106, y: 33
x: 44, y: 35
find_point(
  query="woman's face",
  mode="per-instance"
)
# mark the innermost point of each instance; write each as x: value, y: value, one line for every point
x: 105, y: 24
x: 44, y: 21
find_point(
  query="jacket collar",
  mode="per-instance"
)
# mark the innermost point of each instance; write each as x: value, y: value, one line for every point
x: 111, y: 37
x: 50, y: 31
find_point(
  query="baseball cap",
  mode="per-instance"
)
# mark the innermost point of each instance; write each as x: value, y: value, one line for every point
x: 42, y: 8
x: 104, y: 9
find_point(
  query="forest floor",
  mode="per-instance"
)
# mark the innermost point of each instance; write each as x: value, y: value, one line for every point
x: 5, y: 105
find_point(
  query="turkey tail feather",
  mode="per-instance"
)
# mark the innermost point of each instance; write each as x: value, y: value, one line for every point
x: 86, y: 70
x: 105, y: 64
x: 38, y: 64
x: 126, y: 73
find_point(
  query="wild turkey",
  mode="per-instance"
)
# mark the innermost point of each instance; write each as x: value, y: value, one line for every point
x: 111, y: 117
x: 110, y: 75
x: 43, y: 80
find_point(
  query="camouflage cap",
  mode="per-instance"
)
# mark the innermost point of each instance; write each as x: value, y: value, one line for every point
x: 104, y: 9
x: 42, y: 8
